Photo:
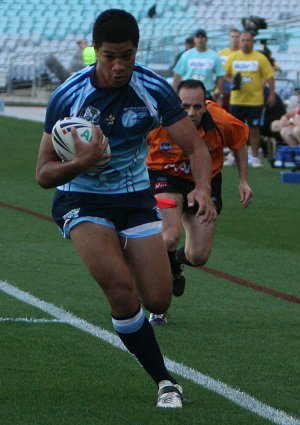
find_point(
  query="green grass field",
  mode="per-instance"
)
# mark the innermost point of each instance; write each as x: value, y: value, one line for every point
x: 242, y: 346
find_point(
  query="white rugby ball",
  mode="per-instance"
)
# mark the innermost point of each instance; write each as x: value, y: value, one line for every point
x: 63, y: 142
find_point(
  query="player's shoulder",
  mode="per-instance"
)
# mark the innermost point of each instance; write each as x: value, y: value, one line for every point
x: 73, y: 83
x: 212, y: 53
x: 225, y: 52
x: 224, y: 120
x: 236, y: 55
x: 258, y: 54
x: 214, y: 109
x: 217, y: 112
x: 149, y: 79
x: 143, y: 71
x: 188, y: 53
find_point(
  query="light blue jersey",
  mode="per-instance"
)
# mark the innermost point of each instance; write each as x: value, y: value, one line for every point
x: 125, y: 115
x: 204, y: 66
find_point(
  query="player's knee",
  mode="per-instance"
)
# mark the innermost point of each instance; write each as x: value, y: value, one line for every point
x: 122, y: 298
x: 159, y: 304
x: 296, y: 132
x: 275, y: 126
x: 197, y: 259
x: 284, y: 132
x: 171, y: 240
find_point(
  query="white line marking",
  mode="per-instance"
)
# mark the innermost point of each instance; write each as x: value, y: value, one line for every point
x: 29, y: 320
x: 236, y: 396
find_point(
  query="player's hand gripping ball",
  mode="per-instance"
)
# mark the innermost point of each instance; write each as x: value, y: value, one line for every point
x: 63, y: 142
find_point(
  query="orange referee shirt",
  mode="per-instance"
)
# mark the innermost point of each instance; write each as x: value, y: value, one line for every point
x: 218, y: 129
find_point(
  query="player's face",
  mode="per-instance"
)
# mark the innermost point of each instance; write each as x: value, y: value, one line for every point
x: 115, y: 63
x: 193, y: 102
x: 235, y: 40
x: 246, y: 42
x: 200, y: 42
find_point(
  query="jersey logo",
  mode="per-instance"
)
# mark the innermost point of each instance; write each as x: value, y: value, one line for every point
x: 201, y: 63
x: 129, y: 118
x: 183, y: 167
x: 251, y: 66
x: 133, y: 116
x: 90, y: 114
x: 110, y: 119
x: 224, y: 59
x: 160, y: 185
x: 198, y: 77
x: 72, y: 214
x: 165, y: 146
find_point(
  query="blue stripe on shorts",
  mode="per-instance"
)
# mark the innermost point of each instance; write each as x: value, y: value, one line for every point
x: 141, y: 231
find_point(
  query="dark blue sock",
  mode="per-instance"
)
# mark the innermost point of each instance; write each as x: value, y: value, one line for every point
x: 138, y: 337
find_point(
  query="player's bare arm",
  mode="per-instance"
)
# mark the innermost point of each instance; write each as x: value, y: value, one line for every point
x: 176, y: 80
x: 245, y: 191
x: 272, y: 96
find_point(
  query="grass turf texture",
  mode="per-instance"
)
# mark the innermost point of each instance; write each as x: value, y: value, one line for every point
x: 54, y: 374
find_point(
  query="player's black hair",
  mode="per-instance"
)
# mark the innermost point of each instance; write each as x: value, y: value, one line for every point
x: 191, y: 84
x: 115, y: 26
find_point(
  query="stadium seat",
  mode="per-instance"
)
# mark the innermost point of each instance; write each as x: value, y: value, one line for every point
x: 63, y: 23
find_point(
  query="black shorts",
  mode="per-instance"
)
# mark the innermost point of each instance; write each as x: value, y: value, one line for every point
x: 252, y: 115
x: 162, y: 182
x: 122, y: 211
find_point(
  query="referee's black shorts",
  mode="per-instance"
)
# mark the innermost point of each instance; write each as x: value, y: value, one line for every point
x: 163, y: 182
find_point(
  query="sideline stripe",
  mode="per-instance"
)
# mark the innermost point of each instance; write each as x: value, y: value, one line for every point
x: 247, y: 284
x: 25, y: 210
x: 240, y: 398
x: 223, y: 275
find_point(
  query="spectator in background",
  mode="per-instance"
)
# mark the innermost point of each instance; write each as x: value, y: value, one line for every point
x: 234, y: 45
x: 88, y: 55
x: 77, y: 60
x: 267, y: 52
x: 201, y: 63
x: 271, y: 114
x: 85, y: 55
x: 188, y: 44
x: 289, y: 127
x: 250, y: 71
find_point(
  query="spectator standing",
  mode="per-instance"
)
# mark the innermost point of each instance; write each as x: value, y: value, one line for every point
x: 268, y: 53
x: 250, y: 70
x: 84, y: 56
x: 271, y: 114
x: 88, y: 55
x: 171, y: 179
x: 188, y: 44
x: 111, y: 216
x: 234, y: 45
x: 201, y: 63
x: 77, y: 60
